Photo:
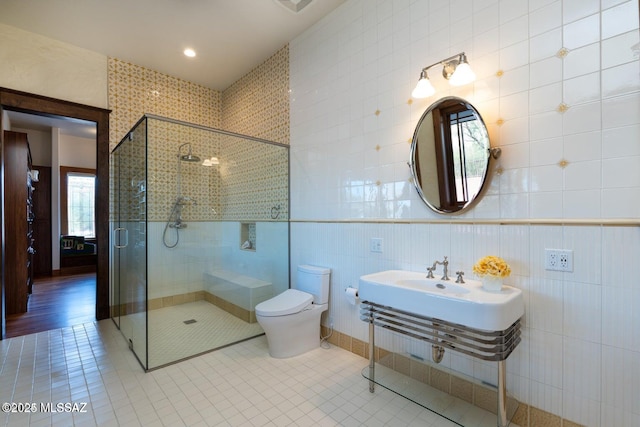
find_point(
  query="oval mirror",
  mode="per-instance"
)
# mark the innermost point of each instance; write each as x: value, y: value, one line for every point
x: 450, y: 154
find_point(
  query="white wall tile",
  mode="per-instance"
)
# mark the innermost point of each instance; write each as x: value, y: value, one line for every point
x: 582, y: 118
x: 545, y: 125
x: 580, y: 409
x: 619, y: 19
x: 620, y: 203
x: 546, y: 358
x: 621, y: 317
x: 617, y: 50
x: 581, y: 204
x: 620, y: 377
x: 582, y: 311
x: 581, y: 32
x: 573, y: 10
x: 545, y: 305
x: 546, y: 178
x: 582, y: 371
x: 545, y: 45
x: 546, y: 151
x: 585, y: 88
x: 583, y: 146
x: 621, y: 111
x: 545, y: 18
x: 583, y: 60
x: 582, y: 175
x: 621, y: 251
x: 545, y: 98
x: 334, y: 132
x: 546, y: 204
x: 621, y: 172
x: 620, y: 79
x: 514, y: 80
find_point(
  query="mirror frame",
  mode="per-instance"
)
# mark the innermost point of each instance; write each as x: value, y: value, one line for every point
x: 490, y: 153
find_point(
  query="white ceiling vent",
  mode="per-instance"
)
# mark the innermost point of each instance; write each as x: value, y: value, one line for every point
x: 294, y: 5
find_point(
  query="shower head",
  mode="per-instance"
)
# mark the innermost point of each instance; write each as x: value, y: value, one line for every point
x: 189, y: 157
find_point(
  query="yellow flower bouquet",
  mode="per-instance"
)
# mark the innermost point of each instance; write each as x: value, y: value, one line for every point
x: 492, y: 266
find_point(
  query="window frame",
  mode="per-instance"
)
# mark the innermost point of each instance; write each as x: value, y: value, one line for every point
x: 64, y: 214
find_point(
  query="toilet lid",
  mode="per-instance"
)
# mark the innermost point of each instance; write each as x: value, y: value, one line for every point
x: 289, y: 302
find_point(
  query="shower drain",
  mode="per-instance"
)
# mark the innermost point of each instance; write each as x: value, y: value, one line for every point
x: 190, y: 321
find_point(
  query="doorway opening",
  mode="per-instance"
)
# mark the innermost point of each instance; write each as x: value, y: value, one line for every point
x: 21, y: 102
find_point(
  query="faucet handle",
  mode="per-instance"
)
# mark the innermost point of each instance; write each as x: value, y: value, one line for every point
x: 430, y: 272
x: 460, y: 279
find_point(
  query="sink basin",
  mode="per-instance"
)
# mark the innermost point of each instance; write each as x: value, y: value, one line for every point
x: 462, y: 303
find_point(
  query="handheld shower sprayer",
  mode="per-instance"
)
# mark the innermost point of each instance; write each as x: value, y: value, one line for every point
x: 175, y: 217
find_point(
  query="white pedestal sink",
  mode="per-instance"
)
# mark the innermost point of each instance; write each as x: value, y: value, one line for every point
x: 461, y: 317
x: 462, y: 303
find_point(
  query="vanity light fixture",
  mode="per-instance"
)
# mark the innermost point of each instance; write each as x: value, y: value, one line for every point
x: 456, y: 69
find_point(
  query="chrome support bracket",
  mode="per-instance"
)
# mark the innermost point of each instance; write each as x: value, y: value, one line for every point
x: 486, y: 345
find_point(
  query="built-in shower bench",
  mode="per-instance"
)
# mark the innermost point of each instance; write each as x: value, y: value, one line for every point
x: 236, y: 293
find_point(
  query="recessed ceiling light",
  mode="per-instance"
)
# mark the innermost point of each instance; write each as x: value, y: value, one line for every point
x: 189, y: 52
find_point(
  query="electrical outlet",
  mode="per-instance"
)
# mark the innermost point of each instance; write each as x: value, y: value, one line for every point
x: 558, y: 259
x: 376, y: 244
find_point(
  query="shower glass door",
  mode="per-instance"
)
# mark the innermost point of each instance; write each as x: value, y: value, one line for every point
x: 129, y: 291
x: 200, y: 237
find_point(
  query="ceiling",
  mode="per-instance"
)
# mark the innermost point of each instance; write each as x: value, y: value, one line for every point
x: 67, y: 126
x: 230, y: 37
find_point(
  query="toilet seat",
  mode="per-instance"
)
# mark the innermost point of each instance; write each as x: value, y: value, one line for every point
x: 289, y: 302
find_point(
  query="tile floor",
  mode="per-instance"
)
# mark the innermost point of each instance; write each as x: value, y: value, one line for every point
x: 170, y: 339
x: 238, y: 385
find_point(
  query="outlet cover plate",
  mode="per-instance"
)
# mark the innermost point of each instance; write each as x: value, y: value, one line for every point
x: 376, y: 244
x: 558, y: 260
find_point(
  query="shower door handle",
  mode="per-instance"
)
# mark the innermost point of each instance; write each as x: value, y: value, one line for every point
x: 116, y: 232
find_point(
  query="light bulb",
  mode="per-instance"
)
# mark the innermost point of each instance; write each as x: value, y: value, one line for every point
x: 463, y: 73
x: 424, y: 88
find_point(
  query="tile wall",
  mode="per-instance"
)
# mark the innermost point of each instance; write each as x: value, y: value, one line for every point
x: 558, y: 84
x: 134, y: 91
x: 250, y: 183
x: 258, y: 103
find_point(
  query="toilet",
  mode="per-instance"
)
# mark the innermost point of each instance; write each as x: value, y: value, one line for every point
x: 291, y: 320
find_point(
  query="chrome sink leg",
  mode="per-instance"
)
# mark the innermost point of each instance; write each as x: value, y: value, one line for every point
x: 503, y: 420
x: 371, y: 355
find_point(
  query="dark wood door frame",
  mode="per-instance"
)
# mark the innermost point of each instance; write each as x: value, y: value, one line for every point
x: 41, y: 105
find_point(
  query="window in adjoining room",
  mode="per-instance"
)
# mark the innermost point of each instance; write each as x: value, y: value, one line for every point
x: 78, y: 201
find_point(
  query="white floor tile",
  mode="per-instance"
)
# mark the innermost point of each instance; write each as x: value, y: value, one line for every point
x: 238, y: 385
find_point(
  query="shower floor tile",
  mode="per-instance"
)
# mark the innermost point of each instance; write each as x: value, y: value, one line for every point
x: 185, y: 330
x: 171, y: 339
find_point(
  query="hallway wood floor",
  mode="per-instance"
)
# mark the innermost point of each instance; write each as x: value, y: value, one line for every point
x: 56, y: 302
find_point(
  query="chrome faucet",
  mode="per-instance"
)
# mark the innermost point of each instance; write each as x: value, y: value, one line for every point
x: 444, y: 264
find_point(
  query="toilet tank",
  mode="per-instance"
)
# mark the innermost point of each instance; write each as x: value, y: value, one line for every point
x: 314, y: 280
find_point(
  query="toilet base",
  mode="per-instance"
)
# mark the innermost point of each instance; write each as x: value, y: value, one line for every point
x: 294, y: 334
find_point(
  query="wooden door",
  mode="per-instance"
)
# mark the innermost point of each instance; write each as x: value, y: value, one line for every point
x: 16, y: 260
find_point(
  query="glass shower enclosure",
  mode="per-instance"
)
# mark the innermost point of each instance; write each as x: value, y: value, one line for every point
x: 200, y: 236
